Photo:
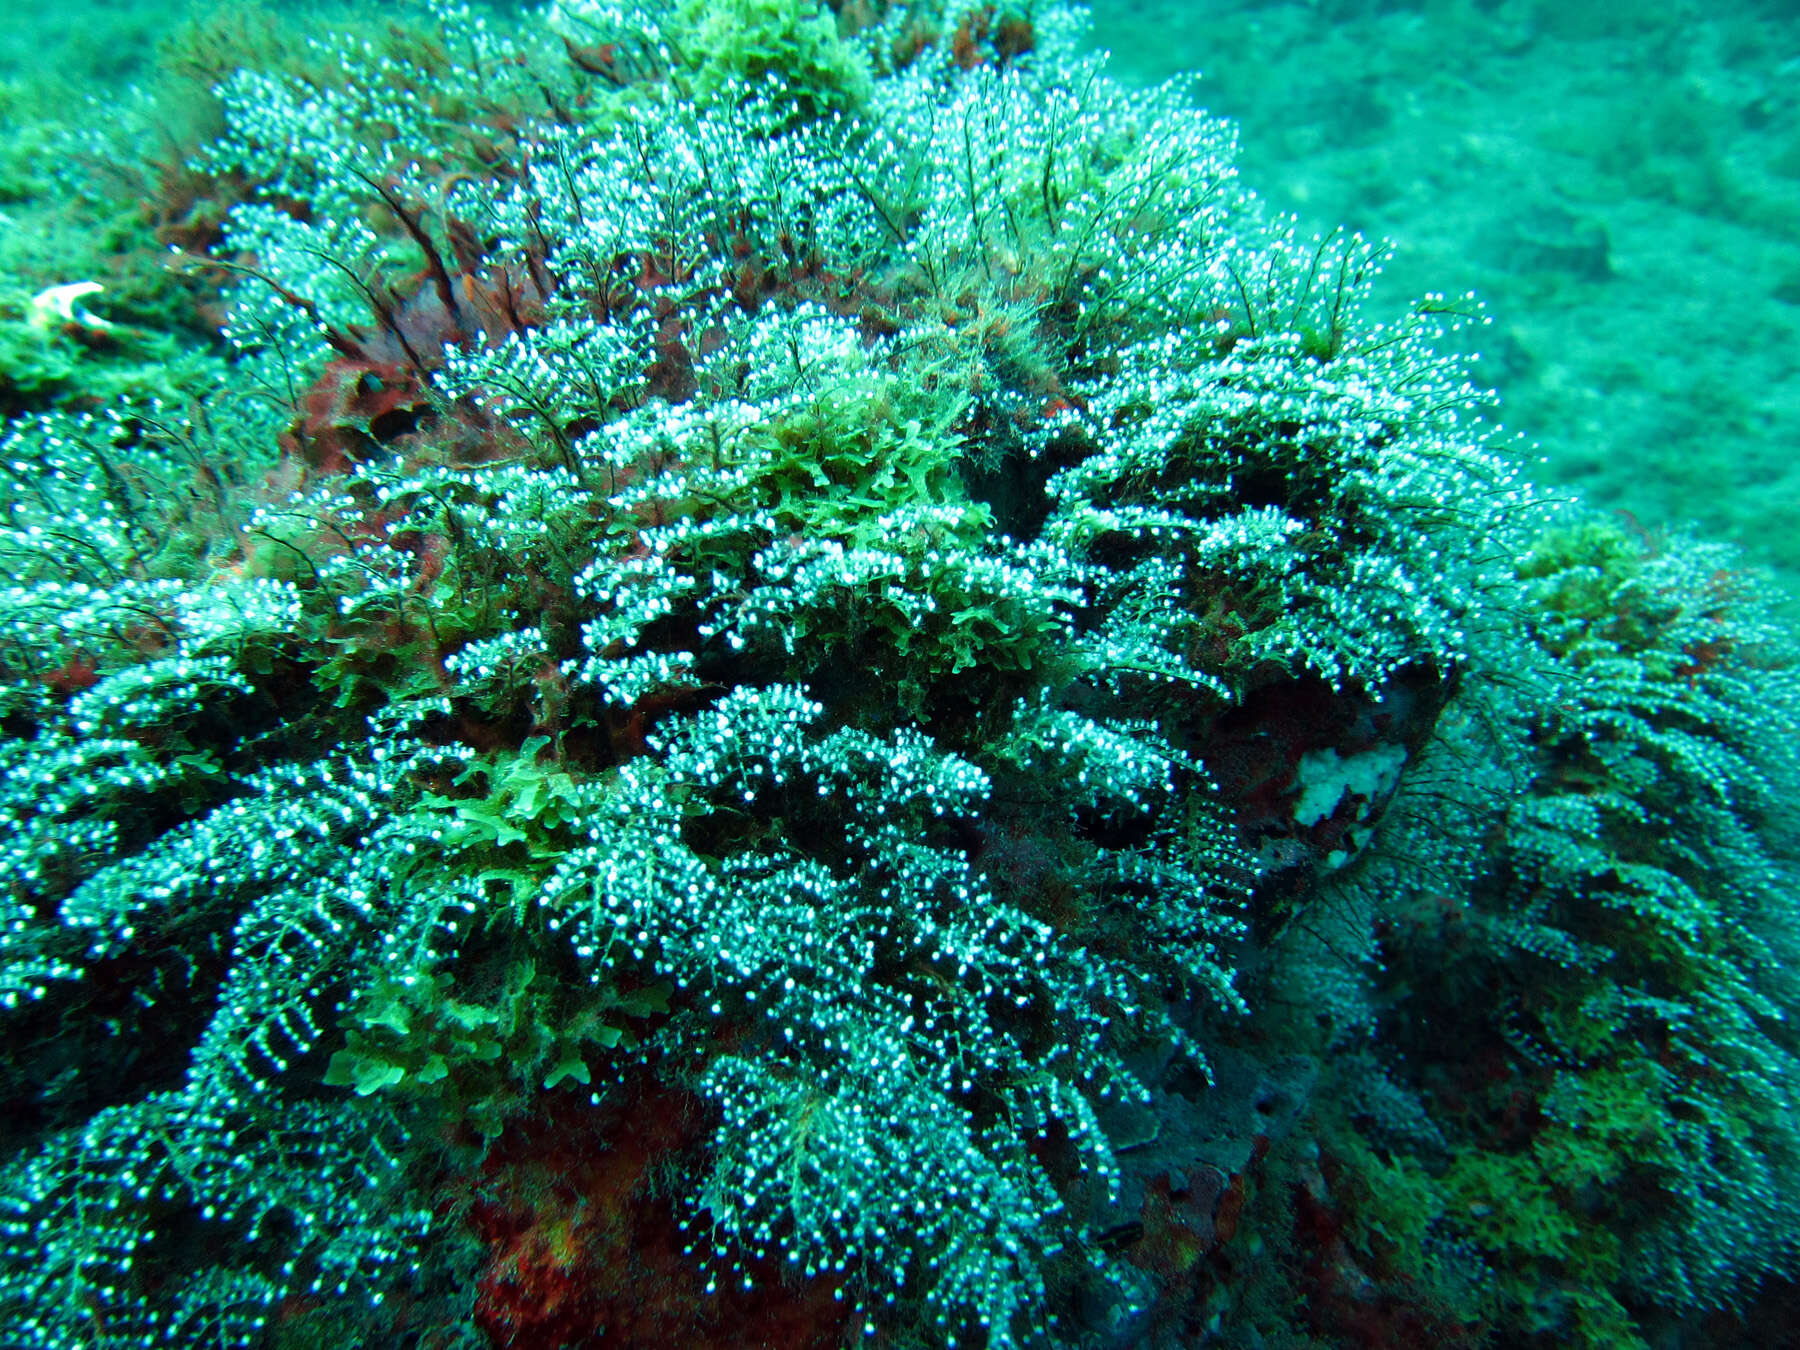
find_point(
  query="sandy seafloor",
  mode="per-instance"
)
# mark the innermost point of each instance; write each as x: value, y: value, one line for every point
x: 1619, y: 180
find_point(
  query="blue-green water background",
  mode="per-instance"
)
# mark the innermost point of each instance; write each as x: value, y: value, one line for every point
x: 1619, y: 182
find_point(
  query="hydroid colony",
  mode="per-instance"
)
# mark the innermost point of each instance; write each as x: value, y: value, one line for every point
x: 803, y: 681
